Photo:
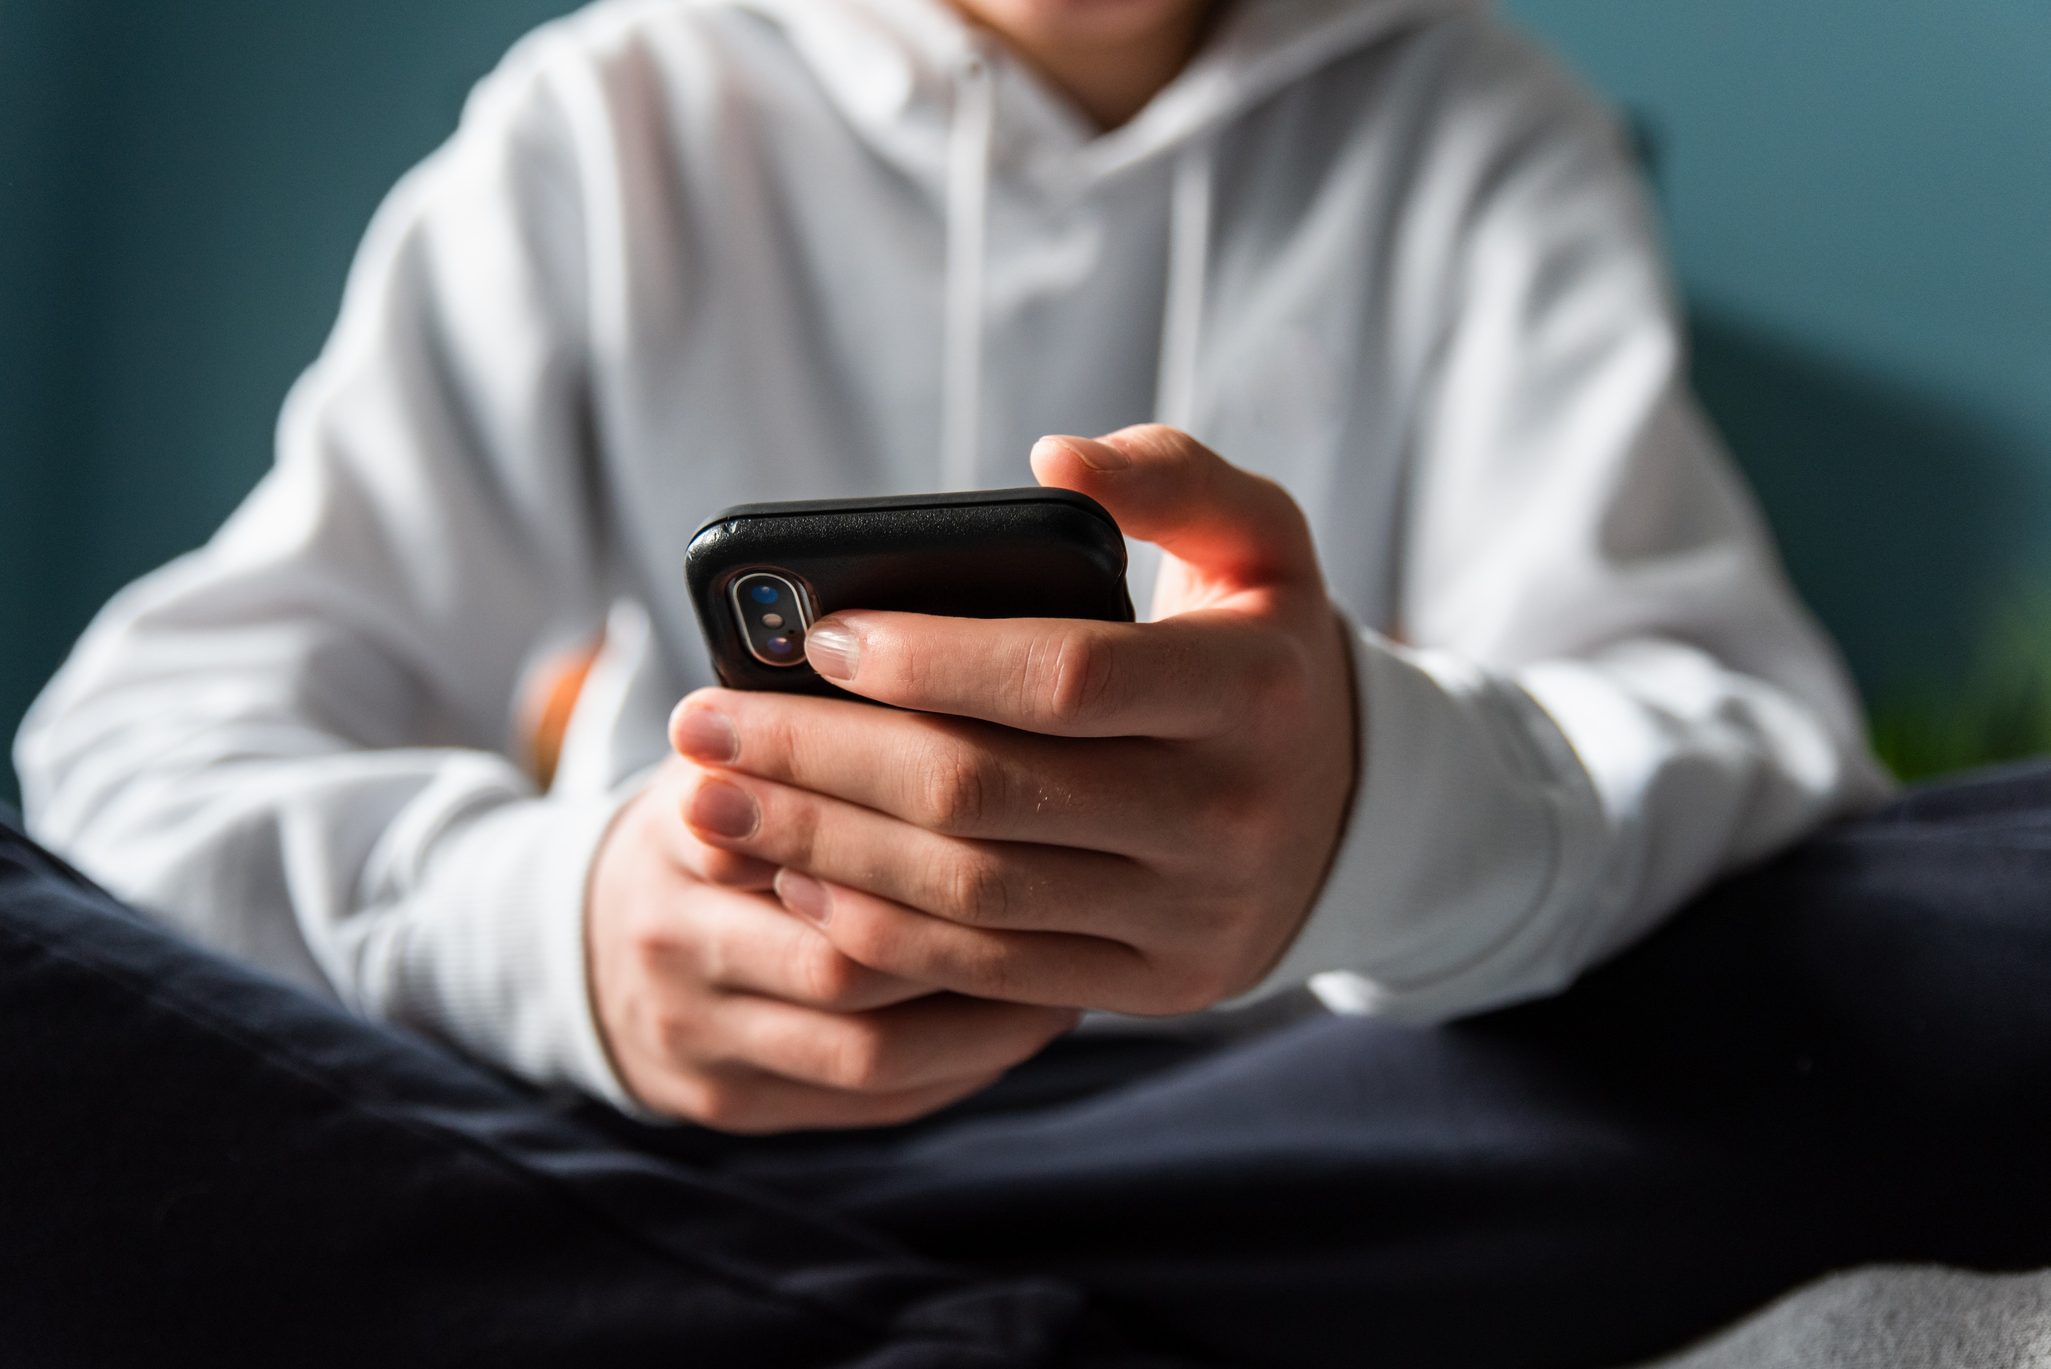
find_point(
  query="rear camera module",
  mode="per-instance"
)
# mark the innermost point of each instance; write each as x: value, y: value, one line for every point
x: 775, y: 638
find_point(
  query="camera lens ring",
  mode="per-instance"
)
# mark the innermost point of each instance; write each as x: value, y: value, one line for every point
x: 780, y: 646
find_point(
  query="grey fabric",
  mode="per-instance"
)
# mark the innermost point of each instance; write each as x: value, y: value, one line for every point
x: 1892, y: 1318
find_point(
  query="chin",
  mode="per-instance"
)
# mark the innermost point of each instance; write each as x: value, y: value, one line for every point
x: 1081, y: 20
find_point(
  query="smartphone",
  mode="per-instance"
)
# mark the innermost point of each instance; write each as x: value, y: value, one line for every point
x: 761, y: 574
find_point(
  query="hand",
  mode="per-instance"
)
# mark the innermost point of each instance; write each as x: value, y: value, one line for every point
x: 720, y: 1007
x: 1134, y: 817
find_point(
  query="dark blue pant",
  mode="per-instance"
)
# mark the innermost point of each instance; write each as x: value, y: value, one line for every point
x: 1842, y: 1057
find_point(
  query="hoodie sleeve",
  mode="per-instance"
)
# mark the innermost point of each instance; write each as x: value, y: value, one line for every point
x: 1604, y: 693
x: 293, y: 742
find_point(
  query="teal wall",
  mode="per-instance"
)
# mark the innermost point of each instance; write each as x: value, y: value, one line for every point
x: 1861, y: 197
x: 181, y: 189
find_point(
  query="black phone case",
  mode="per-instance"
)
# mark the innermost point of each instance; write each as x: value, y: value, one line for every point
x: 1024, y: 553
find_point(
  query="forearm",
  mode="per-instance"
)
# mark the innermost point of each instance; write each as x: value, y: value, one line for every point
x: 1514, y: 827
x: 427, y: 885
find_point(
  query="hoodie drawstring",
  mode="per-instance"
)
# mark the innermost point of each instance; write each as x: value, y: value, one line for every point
x: 969, y: 150
x: 1189, y: 269
x: 968, y: 203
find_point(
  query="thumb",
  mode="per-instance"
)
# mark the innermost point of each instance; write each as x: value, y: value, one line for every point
x: 1165, y: 487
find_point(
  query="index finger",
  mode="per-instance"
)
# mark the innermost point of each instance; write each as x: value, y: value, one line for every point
x: 1194, y: 675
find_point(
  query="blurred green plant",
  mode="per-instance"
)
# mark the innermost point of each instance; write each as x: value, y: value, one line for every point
x: 1998, y: 709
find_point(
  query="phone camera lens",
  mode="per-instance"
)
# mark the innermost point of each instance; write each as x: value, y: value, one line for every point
x: 772, y: 614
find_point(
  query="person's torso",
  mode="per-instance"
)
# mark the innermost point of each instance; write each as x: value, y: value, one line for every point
x: 771, y: 316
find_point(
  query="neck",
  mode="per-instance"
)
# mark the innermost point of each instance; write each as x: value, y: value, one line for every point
x: 1110, y: 74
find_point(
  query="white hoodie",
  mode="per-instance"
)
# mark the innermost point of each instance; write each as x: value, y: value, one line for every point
x: 685, y: 253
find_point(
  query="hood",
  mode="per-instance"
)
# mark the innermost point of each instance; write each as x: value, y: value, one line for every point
x: 940, y: 99
x: 894, y: 68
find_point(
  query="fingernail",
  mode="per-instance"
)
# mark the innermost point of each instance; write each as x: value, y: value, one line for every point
x: 831, y: 649
x: 803, y: 895
x: 724, y: 810
x: 705, y: 734
x: 1098, y: 456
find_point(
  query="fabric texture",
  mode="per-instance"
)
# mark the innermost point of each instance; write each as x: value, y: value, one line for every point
x: 1900, y: 1318
x: 1830, y: 1062
x: 204, y: 1166
x: 685, y: 255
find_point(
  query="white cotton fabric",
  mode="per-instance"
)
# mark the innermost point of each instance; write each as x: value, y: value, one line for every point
x: 1896, y: 1316
x: 685, y: 253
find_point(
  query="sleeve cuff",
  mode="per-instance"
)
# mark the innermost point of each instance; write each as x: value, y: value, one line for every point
x: 499, y: 968
x: 1471, y: 811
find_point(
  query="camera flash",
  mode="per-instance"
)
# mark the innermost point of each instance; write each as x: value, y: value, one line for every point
x: 772, y: 620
